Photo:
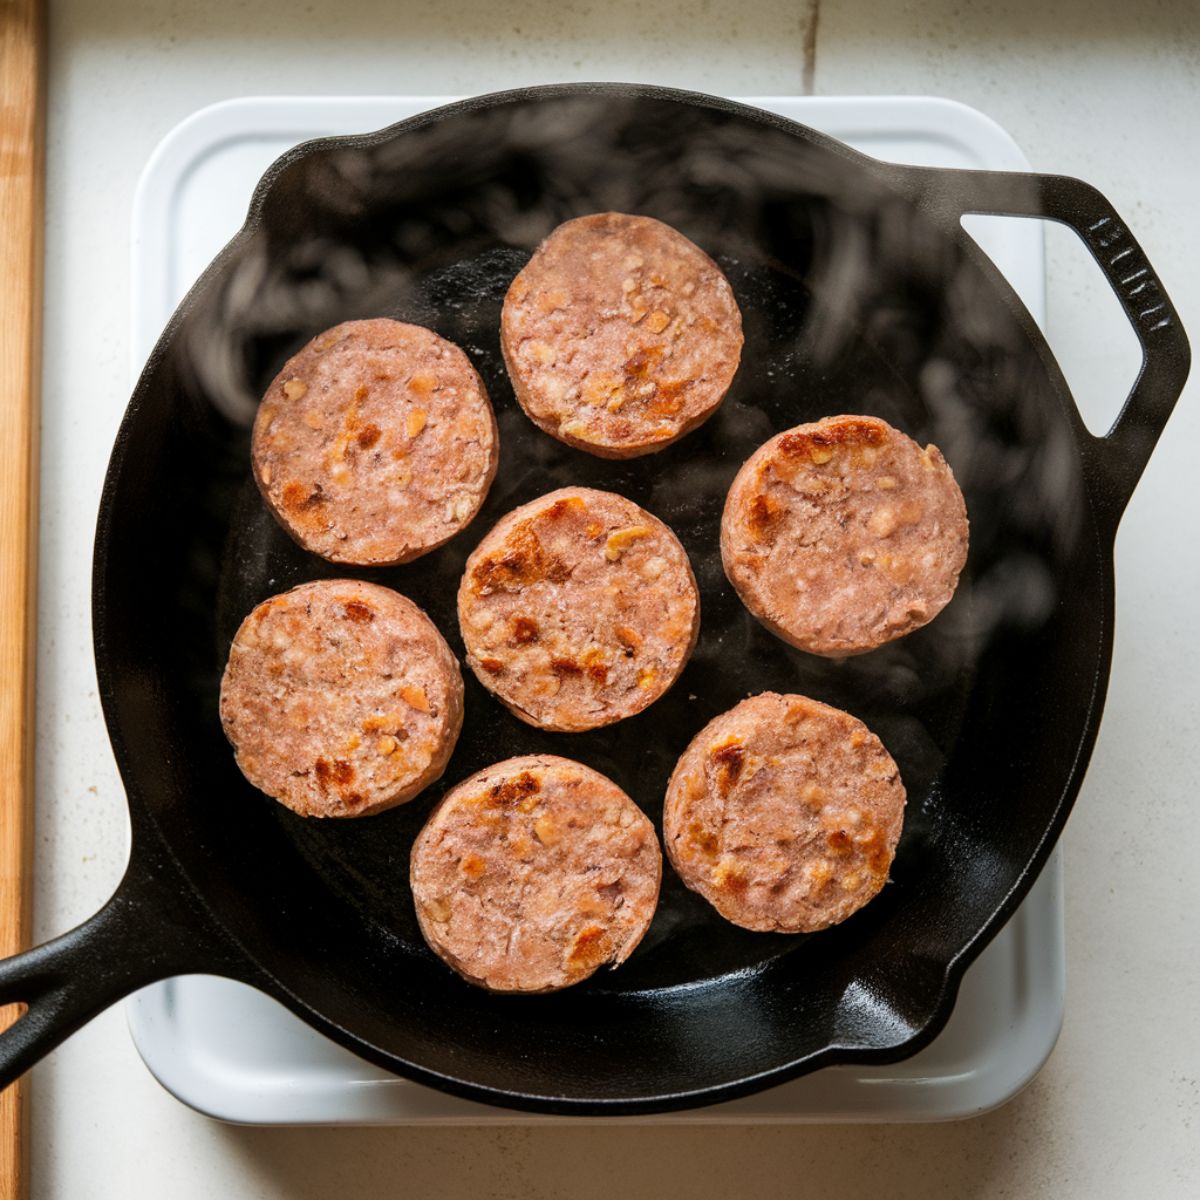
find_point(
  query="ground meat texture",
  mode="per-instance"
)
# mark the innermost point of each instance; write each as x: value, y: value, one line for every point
x: 578, y: 609
x: 620, y: 335
x: 843, y: 535
x: 784, y: 814
x: 535, y: 872
x: 375, y: 444
x: 341, y: 699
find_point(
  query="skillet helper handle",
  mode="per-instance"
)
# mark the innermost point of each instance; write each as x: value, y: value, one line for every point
x: 1121, y: 454
x: 151, y: 929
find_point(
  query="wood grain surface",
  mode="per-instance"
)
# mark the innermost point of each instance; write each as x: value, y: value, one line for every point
x: 21, y: 201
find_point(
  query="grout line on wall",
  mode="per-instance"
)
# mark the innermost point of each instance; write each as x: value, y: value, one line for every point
x: 812, y: 18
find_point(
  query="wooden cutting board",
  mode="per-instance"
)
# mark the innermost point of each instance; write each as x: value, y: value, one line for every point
x: 22, y: 145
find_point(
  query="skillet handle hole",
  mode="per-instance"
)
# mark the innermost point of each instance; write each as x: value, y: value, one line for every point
x: 1089, y: 333
x: 10, y: 1014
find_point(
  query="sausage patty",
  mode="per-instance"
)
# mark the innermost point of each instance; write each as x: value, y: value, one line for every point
x: 578, y: 609
x: 533, y: 873
x: 784, y: 814
x: 341, y: 699
x: 620, y: 335
x: 844, y: 534
x: 375, y: 444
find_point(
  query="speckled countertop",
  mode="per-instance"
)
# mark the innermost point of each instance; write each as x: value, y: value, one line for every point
x: 1108, y: 90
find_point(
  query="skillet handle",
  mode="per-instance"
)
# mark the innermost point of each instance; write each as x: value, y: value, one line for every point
x: 1120, y: 455
x: 152, y: 928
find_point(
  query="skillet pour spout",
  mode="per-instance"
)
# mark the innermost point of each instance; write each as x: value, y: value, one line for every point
x: 860, y: 292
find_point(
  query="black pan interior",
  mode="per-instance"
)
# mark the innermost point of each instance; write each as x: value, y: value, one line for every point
x: 852, y: 302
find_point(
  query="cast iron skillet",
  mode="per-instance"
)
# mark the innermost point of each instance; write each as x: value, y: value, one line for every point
x: 861, y: 294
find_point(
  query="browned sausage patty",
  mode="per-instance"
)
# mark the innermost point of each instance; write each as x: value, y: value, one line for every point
x: 620, y: 335
x: 341, y: 699
x: 844, y: 534
x: 578, y: 609
x: 376, y: 443
x: 784, y: 814
x: 533, y: 873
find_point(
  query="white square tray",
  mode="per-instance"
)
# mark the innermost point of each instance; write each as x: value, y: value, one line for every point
x: 235, y: 1054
